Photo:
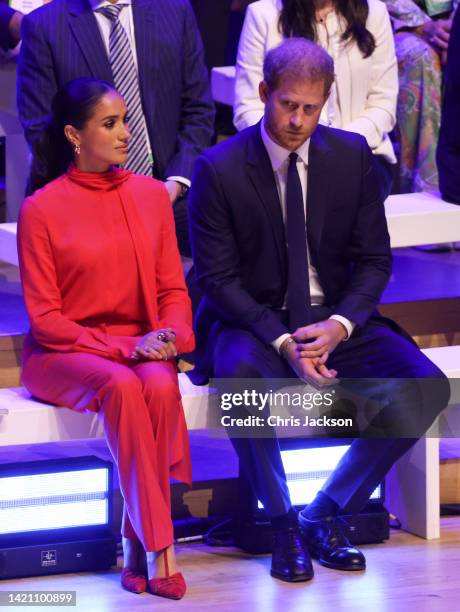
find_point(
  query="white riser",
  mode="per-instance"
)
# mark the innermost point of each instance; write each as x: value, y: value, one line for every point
x: 8, y: 249
x: 223, y: 84
x: 413, y: 219
x: 29, y: 421
x: 32, y: 422
x: 412, y: 485
x: 421, y: 218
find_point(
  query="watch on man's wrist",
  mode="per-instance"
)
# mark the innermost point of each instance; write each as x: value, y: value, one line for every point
x: 284, y: 346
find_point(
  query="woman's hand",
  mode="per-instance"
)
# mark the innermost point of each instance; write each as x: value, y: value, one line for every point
x: 159, y: 345
x: 436, y: 33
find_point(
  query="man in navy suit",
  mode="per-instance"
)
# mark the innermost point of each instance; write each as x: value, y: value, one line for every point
x: 448, y: 152
x: 288, y: 294
x: 67, y: 39
x: 10, y: 22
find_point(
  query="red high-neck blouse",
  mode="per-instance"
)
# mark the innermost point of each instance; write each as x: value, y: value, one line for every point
x: 99, y: 264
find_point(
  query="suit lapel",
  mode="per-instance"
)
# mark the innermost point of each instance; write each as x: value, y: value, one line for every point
x: 263, y: 179
x: 145, y: 27
x: 85, y: 29
x: 320, y: 180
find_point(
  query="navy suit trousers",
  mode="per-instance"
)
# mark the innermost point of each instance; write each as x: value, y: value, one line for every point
x: 375, y: 351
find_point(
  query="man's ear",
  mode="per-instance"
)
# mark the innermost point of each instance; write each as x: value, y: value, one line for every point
x: 263, y: 91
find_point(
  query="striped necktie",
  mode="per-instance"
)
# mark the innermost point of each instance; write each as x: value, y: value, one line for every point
x: 126, y: 82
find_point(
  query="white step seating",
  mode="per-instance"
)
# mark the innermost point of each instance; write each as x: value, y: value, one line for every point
x: 8, y: 250
x: 27, y: 421
x: 223, y: 84
x: 413, y: 219
x: 412, y: 486
x: 421, y: 218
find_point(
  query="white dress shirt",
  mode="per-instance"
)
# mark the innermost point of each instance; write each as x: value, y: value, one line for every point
x: 127, y: 22
x: 279, y: 159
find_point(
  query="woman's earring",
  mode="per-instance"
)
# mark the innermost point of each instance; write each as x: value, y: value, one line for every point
x: 76, y: 148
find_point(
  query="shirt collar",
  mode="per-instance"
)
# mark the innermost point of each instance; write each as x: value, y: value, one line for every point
x: 95, y: 4
x: 278, y: 155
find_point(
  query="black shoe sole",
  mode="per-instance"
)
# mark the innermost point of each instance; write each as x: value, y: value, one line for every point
x: 348, y: 568
x: 284, y: 578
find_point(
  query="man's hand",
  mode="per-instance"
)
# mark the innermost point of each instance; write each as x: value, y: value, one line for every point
x: 312, y: 371
x: 436, y: 33
x: 174, y: 190
x: 156, y: 346
x: 14, y: 28
x: 319, y: 339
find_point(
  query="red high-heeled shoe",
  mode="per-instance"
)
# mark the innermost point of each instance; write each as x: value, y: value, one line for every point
x: 133, y: 581
x: 173, y: 587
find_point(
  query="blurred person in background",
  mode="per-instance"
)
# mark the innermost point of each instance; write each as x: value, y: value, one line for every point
x: 357, y: 35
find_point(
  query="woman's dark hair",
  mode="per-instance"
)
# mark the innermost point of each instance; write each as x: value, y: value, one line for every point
x: 72, y: 105
x: 298, y: 19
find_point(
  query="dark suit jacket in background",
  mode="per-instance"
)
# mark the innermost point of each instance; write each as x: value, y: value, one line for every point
x: 448, y: 152
x: 5, y: 16
x: 238, y: 238
x: 62, y: 41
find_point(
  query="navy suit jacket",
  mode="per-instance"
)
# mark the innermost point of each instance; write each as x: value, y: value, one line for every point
x: 238, y: 237
x: 448, y: 153
x: 62, y: 41
x: 5, y: 16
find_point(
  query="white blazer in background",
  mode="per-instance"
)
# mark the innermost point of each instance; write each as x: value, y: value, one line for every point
x: 367, y: 88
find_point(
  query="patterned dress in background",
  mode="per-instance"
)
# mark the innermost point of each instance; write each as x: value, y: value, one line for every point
x: 419, y: 100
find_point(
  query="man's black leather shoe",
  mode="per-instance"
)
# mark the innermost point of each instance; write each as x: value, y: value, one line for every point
x: 290, y: 559
x: 327, y: 542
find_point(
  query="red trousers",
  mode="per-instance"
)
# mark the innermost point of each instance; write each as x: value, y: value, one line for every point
x: 144, y: 425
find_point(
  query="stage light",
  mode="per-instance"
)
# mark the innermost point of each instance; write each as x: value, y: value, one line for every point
x: 55, y: 516
x: 308, y: 464
x: 307, y: 469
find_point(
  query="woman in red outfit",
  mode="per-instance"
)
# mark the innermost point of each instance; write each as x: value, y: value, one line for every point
x: 109, y: 311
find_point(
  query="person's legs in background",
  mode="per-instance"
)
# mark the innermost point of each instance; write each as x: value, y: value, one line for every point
x: 448, y: 153
x: 418, y: 112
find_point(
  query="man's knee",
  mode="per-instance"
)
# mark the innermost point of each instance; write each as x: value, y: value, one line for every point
x: 436, y: 393
x: 243, y: 368
x: 426, y: 397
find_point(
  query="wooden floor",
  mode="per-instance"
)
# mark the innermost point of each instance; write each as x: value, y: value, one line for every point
x: 405, y: 574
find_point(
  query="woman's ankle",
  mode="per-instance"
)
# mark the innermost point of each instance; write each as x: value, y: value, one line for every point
x: 162, y: 563
x: 133, y: 554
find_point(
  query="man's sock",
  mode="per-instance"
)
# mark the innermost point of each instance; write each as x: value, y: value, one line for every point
x: 283, y: 521
x: 320, y: 507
